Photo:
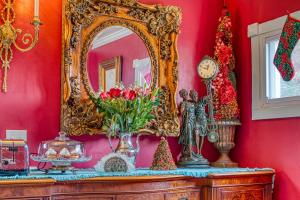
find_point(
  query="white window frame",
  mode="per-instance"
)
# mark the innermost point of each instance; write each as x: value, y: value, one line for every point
x: 262, y: 107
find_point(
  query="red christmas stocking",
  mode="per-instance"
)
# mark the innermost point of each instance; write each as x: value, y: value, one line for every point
x: 288, y: 40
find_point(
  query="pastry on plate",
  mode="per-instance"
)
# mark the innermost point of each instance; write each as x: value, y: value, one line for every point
x: 51, y: 154
x: 64, y: 153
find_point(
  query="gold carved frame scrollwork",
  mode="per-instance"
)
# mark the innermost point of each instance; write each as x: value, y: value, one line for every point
x: 156, y: 25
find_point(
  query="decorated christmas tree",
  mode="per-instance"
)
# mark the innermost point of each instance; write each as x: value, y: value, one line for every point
x: 225, y: 95
x: 163, y: 159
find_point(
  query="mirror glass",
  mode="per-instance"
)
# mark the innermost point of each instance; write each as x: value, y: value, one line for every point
x: 116, y: 56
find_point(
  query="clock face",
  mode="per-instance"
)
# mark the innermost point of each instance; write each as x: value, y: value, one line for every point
x: 208, y: 68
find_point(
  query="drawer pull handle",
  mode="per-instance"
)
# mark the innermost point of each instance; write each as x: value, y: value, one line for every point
x: 183, y: 198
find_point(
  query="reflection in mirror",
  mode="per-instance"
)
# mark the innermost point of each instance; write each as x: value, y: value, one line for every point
x: 118, y: 55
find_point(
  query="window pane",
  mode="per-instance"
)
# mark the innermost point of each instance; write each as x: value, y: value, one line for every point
x: 276, y: 86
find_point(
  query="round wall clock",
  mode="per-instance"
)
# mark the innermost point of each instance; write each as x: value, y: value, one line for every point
x: 208, y: 68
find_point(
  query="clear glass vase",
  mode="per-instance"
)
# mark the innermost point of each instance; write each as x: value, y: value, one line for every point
x: 126, y: 147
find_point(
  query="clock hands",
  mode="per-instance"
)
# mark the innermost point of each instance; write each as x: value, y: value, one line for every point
x: 206, y: 67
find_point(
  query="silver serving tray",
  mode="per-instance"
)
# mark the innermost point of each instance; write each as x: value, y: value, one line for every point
x: 60, y: 161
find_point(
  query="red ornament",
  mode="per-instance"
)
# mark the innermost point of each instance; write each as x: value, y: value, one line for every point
x: 225, y: 54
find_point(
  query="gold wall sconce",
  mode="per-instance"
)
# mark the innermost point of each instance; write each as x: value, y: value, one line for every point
x: 9, y: 35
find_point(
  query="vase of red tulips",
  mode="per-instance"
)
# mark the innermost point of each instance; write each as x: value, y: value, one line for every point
x: 126, y: 112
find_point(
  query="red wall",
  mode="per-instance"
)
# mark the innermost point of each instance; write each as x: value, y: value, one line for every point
x: 130, y: 48
x: 264, y: 143
x: 92, y: 67
x: 33, y: 98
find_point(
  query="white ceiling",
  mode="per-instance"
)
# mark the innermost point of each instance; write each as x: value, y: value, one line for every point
x: 109, y: 35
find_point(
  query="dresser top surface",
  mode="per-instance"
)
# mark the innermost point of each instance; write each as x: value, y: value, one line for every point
x: 145, y: 178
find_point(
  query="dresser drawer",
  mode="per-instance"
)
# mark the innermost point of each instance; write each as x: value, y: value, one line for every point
x: 150, y: 196
x: 27, y: 198
x: 241, y: 193
x: 183, y: 196
x: 82, y: 197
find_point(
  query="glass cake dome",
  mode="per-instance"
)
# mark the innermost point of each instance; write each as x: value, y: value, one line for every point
x: 62, y: 147
x: 61, y: 152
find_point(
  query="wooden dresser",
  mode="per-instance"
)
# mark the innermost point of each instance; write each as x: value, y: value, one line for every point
x: 234, y: 186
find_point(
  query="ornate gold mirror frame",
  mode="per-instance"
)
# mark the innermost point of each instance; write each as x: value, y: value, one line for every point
x: 157, y: 26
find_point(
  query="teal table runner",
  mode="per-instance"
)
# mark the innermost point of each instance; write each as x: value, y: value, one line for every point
x: 90, y: 173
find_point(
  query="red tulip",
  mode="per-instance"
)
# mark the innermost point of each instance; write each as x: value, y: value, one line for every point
x: 132, y: 94
x: 125, y: 93
x: 115, y: 92
x: 104, y: 95
x: 129, y: 94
